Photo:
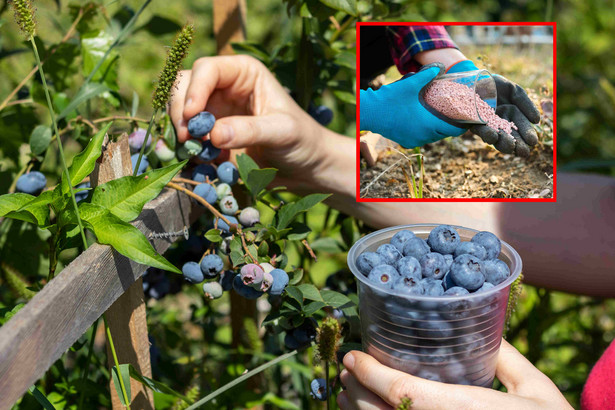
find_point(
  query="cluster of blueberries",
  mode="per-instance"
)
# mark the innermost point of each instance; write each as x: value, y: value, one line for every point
x: 32, y: 183
x: 442, y: 265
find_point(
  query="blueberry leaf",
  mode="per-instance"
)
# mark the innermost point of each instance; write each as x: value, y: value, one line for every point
x: 313, y: 307
x: 348, y: 6
x: 213, y: 235
x: 83, y: 163
x: 122, y: 236
x: 125, y: 197
x: 124, y: 373
x: 40, y: 139
x: 258, y: 179
x: 298, y: 231
x: 335, y: 299
x: 310, y: 292
x: 295, y: 293
x: 289, y: 211
x: 245, y: 164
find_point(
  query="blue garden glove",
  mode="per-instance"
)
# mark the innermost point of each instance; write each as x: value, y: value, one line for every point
x: 395, y: 111
x: 515, y: 106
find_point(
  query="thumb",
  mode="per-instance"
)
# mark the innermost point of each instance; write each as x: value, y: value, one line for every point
x: 240, y: 131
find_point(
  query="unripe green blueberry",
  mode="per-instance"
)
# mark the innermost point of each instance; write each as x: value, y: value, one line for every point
x: 189, y: 149
x: 249, y: 216
x: 223, y: 190
x: 212, y: 290
x: 163, y: 152
x: 267, y: 267
x: 228, y: 205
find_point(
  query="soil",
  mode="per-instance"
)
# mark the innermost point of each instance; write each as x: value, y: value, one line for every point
x: 463, y: 167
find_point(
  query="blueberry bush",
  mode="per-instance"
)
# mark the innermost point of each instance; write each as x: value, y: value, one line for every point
x: 256, y: 306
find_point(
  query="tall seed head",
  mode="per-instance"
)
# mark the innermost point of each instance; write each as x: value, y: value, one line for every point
x: 24, y: 15
x: 327, y: 339
x: 176, y: 55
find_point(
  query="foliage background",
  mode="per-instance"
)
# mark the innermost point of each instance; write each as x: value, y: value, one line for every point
x: 562, y: 334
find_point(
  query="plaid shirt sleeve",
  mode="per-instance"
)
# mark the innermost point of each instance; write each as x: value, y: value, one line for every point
x: 407, y: 41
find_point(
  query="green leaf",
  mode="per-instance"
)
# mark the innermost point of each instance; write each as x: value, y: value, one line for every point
x: 93, y: 47
x: 335, y: 299
x: 258, y: 179
x: 9, y: 313
x: 40, y: 139
x: 313, y: 307
x: 245, y: 164
x: 83, y: 163
x: 159, y: 25
x: 125, y: 374
x: 40, y: 398
x: 348, y: 6
x: 345, y: 96
x: 295, y: 276
x: 326, y: 244
x: 154, y: 385
x: 169, y: 135
x: 88, y: 92
x: 255, y: 50
x: 213, y: 235
x: 310, y: 292
x: 122, y: 236
x: 289, y: 211
x: 263, y: 249
x: 125, y: 197
x: 295, y: 293
x: 298, y: 231
x: 346, y: 59
x: 25, y: 207
x: 237, y: 258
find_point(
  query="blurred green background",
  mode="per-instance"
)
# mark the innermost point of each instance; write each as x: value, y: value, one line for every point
x: 562, y: 334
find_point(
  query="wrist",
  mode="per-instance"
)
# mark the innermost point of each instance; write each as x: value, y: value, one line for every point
x: 446, y: 56
x: 337, y: 172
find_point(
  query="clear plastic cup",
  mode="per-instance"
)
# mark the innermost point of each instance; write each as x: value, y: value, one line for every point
x: 453, y: 339
x: 479, y: 81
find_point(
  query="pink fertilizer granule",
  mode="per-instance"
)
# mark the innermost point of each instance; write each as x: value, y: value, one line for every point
x: 456, y: 101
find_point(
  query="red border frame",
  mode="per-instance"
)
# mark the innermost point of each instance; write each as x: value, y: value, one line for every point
x: 467, y: 23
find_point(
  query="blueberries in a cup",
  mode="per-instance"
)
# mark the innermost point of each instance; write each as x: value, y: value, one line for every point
x: 432, y: 287
x: 367, y: 261
x: 496, y: 271
x: 490, y: 242
x: 467, y: 272
x: 389, y: 253
x: 456, y: 291
x: 443, y: 239
x: 409, y: 286
x: 409, y: 267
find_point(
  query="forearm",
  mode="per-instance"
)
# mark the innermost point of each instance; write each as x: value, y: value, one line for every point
x: 446, y: 56
x: 566, y: 246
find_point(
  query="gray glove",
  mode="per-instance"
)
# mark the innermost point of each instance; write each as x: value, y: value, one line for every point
x: 513, y: 105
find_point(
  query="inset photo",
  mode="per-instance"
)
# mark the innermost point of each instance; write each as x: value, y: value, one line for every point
x: 456, y: 111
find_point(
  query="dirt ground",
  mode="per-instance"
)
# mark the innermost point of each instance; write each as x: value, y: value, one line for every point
x: 462, y: 167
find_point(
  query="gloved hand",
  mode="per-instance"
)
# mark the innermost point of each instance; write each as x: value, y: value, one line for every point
x: 513, y: 105
x: 395, y: 112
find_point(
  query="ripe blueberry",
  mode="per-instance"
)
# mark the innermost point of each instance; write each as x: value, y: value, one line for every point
x: 496, y: 271
x: 227, y: 173
x: 443, y: 239
x: 409, y: 267
x: 249, y: 216
x: 212, y: 290
x: 319, y: 389
x: 433, y: 265
x: 409, y: 285
x: 223, y: 226
x: 142, y: 166
x: 400, y: 238
x: 245, y: 291
x: 207, y: 192
x: 384, y: 275
x: 416, y: 247
x: 135, y: 140
x: 367, y: 261
x: 226, y: 279
x: 456, y: 291
x: 202, y: 172
x: 467, y: 271
x: 280, y: 281
x: 192, y: 272
x: 471, y: 248
x: 305, y: 333
x: 208, y: 151
x: 486, y: 286
x: 223, y: 190
x: 211, y: 265
x: 490, y: 242
x: 201, y: 124
x: 433, y: 287
x: 31, y: 183
x: 228, y: 205
x: 448, y: 258
x: 389, y: 253
x: 290, y: 342
x: 81, y: 195
x: 321, y: 113
x: 252, y: 275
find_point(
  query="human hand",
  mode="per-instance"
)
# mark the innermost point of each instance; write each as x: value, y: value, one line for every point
x: 371, y: 385
x: 513, y: 105
x: 395, y: 112
x: 254, y: 113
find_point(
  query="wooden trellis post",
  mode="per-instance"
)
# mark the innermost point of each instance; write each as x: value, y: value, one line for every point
x: 126, y: 317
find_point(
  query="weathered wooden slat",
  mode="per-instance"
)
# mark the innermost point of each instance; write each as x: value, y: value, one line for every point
x: 68, y: 305
x: 229, y: 24
x: 126, y: 317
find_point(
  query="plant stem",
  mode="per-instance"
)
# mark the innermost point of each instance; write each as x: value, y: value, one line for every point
x: 149, y: 129
x: 241, y: 379
x: 60, y: 149
x: 328, y: 391
x: 86, y: 369
x: 117, y: 364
